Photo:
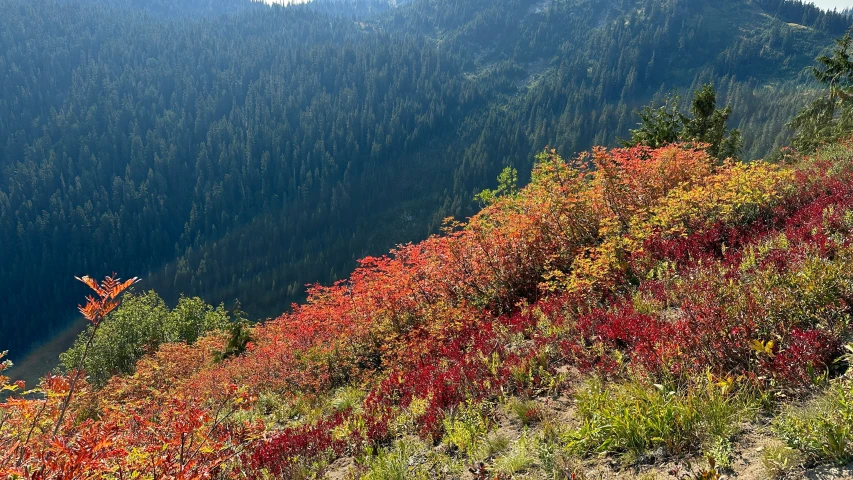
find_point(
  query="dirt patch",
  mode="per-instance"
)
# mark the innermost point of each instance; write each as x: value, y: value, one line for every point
x: 340, y: 469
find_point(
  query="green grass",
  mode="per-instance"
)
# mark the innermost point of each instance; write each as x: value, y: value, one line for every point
x: 493, y: 445
x: 822, y: 428
x: 634, y: 418
x: 347, y: 398
x: 467, y: 429
x: 523, y: 455
x: 400, y: 462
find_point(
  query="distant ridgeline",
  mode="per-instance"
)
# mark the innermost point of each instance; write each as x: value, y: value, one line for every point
x: 180, y: 9
x: 808, y: 15
x: 227, y: 149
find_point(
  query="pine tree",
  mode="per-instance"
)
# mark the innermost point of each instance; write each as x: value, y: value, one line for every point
x: 706, y: 124
x: 830, y: 116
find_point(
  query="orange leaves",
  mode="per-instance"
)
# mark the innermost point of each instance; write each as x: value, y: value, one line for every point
x: 628, y: 180
x: 87, y: 454
x: 110, y: 287
x: 93, y: 284
x: 638, y: 193
x: 108, y: 292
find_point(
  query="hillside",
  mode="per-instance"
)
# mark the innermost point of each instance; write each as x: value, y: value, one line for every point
x: 623, y: 319
x: 234, y: 150
x: 657, y: 285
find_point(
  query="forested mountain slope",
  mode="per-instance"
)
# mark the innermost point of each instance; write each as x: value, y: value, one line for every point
x: 244, y: 155
x: 186, y: 9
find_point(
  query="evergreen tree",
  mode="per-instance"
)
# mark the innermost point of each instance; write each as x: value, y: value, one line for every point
x: 659, y: 126
x: 830, y: 116
x: 706, y: 124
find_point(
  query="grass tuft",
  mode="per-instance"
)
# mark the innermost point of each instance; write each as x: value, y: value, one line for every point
x: 521, y: 457
x: 526, y: 411
x: 635, y: 419
x: 822, y: 429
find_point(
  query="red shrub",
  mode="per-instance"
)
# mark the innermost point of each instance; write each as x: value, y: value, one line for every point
x: 283, y: 454
x: 804, y: 355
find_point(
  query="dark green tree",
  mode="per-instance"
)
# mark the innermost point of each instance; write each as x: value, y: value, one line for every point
x: 239, y: 337
x: 660, y: 125
x: 709, y: 125
x: 706, y: 124
x: 830, y: 116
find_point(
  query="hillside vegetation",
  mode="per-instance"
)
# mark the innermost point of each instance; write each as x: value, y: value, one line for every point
x: 630, y: 308
x: 230, y: 150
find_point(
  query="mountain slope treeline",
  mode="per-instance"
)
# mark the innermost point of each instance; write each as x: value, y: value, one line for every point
x: 150, y: 148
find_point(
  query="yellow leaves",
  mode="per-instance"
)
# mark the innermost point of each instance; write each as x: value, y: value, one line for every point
x: 733, y: 194
x: 763, y: 348
x: 725, y: 384
x: 634, y: 195
x: 13, y: 387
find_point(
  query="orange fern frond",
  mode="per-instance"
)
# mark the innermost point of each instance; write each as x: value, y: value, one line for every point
x: 92, y: 284
x: 108, y: 291
x: 108, y: 305
x: 113, y: 286
x: 117, y: 287
x: 92, y: 309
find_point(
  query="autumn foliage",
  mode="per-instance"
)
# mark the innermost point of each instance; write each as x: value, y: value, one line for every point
x: 628, y: 262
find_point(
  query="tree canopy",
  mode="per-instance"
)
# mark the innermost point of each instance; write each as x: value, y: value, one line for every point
x: 830, y: 116
x: 706, y: 124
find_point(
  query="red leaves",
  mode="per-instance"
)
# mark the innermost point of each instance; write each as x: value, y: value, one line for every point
x: 641, y: 338
x: 805, y: 356
x: 283, y: 454
x: 90, y: 450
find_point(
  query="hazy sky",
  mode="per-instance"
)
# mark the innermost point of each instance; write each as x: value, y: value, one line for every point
x: 830, y: 4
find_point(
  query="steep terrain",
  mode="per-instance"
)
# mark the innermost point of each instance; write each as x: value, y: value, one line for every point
x: 232, y: 150
x: 655, y: 310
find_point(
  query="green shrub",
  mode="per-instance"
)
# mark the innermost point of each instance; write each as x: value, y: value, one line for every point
x: 779, y: 459
x: 822, y: 429
x: 140, y: 325
x: 721, y: 450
